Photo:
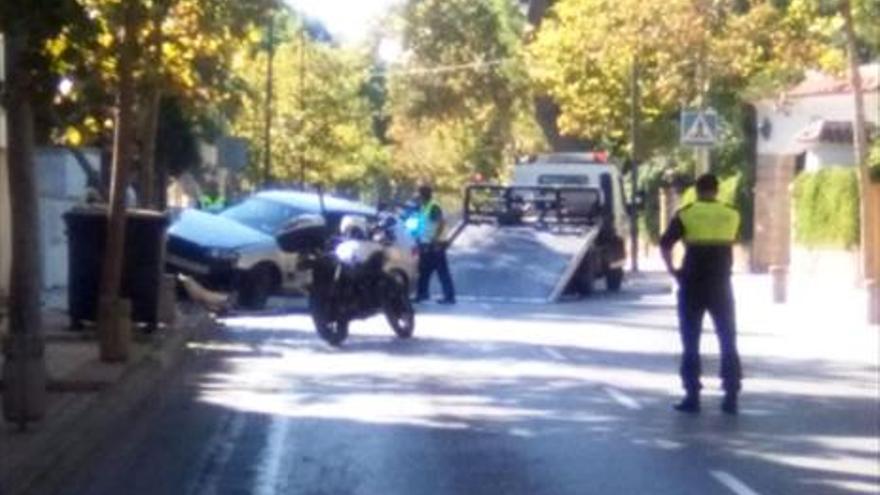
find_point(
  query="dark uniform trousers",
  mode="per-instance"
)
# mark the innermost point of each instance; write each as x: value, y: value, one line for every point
x: 694, y: 300
x: 432, y: 257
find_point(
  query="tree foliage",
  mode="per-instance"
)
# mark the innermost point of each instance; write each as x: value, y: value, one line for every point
x: 185, y: 51
x: 826, y: 208
x: 460, y: 102
x: 322, y: 122
x: 687, y: 53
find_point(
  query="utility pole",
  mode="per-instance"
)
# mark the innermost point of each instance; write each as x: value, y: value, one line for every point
x: 869, y: 192
x: 302, y: 105
x: 635, y: 116
x: 267, y: 158
x: 701, y: 153
x: 24, y: 367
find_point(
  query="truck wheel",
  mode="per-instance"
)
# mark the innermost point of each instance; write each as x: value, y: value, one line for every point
x: 614, y: 279
x: 586, y: 277
x: 256, y: 287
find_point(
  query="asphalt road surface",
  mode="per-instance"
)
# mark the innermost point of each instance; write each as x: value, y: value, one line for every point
x: 500, y: 398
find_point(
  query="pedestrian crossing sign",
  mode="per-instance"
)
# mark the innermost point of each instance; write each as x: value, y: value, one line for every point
x: 699, y: 127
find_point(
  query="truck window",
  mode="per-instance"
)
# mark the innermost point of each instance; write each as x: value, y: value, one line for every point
x: 563, y: 180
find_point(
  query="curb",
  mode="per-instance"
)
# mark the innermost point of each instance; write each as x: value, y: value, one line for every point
x: 70, y: 441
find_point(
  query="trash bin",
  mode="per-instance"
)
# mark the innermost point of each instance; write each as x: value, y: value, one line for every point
x: 142, y: 263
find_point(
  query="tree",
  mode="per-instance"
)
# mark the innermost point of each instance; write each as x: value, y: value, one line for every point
x: 27, y: 26
x: 460, y: 103
x: 870, y: 196
x: 689, y: 53
x: 187, y: 49
x: 321, y: 119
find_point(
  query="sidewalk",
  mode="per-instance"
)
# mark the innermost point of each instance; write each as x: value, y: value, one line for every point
x: 821, y: 317
x: 88, y: 400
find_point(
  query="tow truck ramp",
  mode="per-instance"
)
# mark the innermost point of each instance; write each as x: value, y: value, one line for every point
x: 522, y: 244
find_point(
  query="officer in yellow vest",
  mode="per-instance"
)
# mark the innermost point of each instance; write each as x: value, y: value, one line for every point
x: 432, y: 248
x: 708, y: 229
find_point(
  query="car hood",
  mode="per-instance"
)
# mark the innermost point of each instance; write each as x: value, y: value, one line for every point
x: 214, y: 231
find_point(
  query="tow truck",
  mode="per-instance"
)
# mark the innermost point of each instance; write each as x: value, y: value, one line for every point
x: 557, y: 228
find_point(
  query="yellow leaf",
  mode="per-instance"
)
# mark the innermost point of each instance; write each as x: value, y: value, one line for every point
x: 73, y: 137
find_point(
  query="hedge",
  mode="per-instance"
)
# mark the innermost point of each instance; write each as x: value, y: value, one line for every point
x: 874, y: 160
x: 826, y: 208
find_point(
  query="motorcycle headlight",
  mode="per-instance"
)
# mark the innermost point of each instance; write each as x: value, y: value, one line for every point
x: 412, y: 224
x: 223, y: 254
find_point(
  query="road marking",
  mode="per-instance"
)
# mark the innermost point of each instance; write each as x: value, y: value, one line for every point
x: 270, y: 478
x: 501, y: 299
x: 554, y: 354
x: 623, y: 399
x: 731, y: 482
x: 219, y: 451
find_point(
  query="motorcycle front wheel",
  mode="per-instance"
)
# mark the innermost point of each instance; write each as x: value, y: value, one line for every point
x: 400, y: 314
x: 332, y: 329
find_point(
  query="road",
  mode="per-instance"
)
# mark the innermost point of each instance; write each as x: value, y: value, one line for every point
x: 500, y: 398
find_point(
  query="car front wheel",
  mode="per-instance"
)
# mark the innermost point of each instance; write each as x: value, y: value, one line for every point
x: 257, y: 284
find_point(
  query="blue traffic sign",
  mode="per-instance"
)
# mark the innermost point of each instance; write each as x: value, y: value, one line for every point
x: 699, y: 127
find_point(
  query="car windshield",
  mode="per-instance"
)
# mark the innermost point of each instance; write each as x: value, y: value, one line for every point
x: 262, y: 214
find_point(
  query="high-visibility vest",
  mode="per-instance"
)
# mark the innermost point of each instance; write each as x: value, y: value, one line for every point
x: 428, y: 228
x: 709, y: 222
x: 212, y: 203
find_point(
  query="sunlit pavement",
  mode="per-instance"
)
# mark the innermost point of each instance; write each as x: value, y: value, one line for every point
x: 502, y: 398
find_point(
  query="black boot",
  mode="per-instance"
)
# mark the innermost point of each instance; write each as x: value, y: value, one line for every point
x: 690, y: 404
x: 729, y: 405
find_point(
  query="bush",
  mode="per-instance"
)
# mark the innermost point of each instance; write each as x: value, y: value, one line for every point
x: 874, y: 160
x: 826, y: 208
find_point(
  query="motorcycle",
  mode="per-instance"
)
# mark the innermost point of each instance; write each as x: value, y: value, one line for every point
x: 350, y: 282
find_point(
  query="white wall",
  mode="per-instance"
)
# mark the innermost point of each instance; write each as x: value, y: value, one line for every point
x: 829, y: 155
x: 62, y: 185
x: 789, y: 119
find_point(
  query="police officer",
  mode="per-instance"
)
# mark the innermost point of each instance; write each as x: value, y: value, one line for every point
x: 708, y: 229
x: 211, y: 199
x: 432, y: 248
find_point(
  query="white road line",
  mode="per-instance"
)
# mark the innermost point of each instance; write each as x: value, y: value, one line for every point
x: 623, y: 399
x: 501, y: 299
x: 270, y: 478
x: 219, y: 451
x: 731, y: 482
x: 554, y: 354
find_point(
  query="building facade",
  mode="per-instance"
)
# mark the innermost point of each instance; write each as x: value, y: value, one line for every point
x: 807, y: 127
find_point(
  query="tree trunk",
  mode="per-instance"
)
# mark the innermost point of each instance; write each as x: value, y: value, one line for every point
x: 869, y: 204
x: 24, y: 371
x: 149, y: 177
x: 113, y: 322
x: 870, y: 193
